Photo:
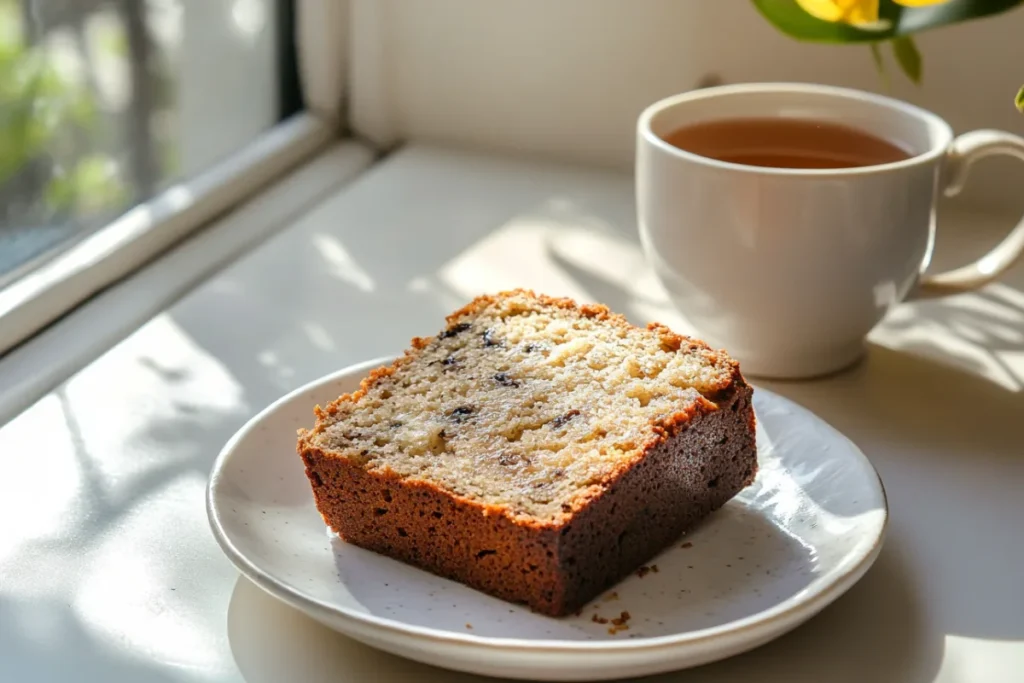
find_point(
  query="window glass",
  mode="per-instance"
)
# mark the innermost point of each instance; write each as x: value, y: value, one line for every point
x: 104, y: 103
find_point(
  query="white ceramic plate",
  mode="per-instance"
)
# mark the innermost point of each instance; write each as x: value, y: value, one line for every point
x: 808, y: 528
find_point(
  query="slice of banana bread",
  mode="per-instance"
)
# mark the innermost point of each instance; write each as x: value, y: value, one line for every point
x: 535, y: 450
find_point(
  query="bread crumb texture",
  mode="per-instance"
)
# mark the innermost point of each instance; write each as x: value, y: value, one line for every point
x: 525, y: 404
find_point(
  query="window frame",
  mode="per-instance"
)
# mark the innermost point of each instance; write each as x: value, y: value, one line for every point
x: 311, y: 84
x: 55, y: 353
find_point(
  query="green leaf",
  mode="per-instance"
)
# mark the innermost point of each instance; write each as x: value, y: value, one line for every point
x: 1019, y: 100
x: 788, y: 17
x: 876, y: 54
x: 908, y: 57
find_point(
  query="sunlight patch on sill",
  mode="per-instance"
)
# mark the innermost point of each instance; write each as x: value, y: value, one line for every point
x: 981, y: 659
x: 270, y: 360
x: 319, y: 337
x: 140, y: 399
x: 341, y: 263
x: 569, y: 254
x: 964, y: 343
x: 124, y: 487
x: 513, y: 256
x: 22, y: 488
x: 607, y: 258
x: 997, y: 302
x: 123, y: 597
x: 558, y: 250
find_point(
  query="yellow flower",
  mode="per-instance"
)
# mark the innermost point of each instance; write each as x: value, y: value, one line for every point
x: 860, y: 13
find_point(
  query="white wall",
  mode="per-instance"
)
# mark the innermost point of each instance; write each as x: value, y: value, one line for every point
x: 567, y: 78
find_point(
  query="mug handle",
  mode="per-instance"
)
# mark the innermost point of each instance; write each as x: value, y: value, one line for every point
x: 962, y: 153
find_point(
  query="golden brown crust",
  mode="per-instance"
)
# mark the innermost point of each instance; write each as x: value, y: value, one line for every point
x: 365, y: 385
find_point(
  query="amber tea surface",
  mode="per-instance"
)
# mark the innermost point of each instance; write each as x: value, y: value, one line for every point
x: 786, y: 143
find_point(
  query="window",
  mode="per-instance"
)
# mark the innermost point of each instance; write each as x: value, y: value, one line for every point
x: 106, y: 103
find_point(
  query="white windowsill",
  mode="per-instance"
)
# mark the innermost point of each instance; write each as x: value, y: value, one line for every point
x: 130, y: 437
x: 39, y: 297
x: 51, y: 356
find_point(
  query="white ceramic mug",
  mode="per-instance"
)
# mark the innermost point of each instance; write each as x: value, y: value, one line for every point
x: 789, y: 269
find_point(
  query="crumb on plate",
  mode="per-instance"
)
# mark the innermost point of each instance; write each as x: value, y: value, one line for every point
x: 619, y: 623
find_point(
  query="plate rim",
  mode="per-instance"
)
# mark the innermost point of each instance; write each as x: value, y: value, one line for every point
x: 805, y: 603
